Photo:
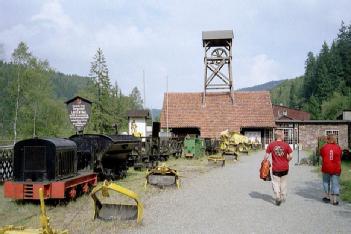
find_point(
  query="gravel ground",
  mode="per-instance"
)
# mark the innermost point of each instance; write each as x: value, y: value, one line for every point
x: 234, y: 200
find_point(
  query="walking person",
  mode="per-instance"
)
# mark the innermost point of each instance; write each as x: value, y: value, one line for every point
x: 281, y: 155
x: 331, y: 169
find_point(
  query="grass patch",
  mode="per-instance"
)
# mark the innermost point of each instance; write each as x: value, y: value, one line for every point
x: 345, y: 181
x: 77, y: 216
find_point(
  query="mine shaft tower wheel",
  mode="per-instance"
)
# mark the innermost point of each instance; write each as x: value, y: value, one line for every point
x: 217, y: 60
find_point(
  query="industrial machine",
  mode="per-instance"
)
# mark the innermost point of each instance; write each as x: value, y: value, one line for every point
x: 211, y: 146
x: 194, y: 147
x: 112, y: 211
x: 154, y: 148
x: 162, y: 176
x: 233, y: 143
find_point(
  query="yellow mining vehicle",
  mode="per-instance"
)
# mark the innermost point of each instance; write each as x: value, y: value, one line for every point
x: 44, y: 221
x: 108, y: 211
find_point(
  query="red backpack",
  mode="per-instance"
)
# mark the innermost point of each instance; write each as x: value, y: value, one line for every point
x: 265, y: 170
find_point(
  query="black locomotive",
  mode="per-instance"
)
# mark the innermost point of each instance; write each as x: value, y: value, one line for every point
x: 50, y: 164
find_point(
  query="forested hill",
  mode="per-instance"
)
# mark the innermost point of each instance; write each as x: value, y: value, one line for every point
x: 63, y: 86
x: 33, y: 94
x: 67, y: 86
x: 325, y: 88
x: 263, y: 87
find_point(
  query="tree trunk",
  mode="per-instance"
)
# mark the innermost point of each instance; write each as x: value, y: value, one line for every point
x: 16, y: 110
x: 34, y: 119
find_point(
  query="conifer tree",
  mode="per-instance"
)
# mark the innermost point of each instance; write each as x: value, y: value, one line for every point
x: 324, y: 86
x: 135, y: 95
x: 310, y: 76
x: 101, y: 111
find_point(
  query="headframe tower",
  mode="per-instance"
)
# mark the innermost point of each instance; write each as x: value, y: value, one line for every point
x: 218, y: 62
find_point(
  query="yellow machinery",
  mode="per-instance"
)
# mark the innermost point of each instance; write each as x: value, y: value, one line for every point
x: 231, y: 143
x: 44, y: 221
x: 216, y: 160
x: 107, y: 211
x: 162, y: 176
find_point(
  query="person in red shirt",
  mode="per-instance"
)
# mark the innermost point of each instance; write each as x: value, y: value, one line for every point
x: 331, y: 169
x: 281, y: 155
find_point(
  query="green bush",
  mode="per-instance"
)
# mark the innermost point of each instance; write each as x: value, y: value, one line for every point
x: 345, y: 181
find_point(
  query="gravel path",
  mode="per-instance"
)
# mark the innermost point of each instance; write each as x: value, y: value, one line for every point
x: 234, y: 200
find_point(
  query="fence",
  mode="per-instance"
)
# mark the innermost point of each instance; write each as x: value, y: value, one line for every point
x: 6, y: 159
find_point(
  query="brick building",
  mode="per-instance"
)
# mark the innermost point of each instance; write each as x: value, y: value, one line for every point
x: 250, y: 113
x: 306, y: 132
x: 281, y: 112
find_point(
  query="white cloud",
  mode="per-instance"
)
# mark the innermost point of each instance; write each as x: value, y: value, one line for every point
x: 257, y: 70
x: 52, y: 12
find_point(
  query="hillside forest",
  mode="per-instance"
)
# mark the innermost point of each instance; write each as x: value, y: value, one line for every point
x: 33, y: 95
x: 325, y: 88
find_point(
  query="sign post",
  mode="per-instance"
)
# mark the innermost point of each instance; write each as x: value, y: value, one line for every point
x: 79, y: 110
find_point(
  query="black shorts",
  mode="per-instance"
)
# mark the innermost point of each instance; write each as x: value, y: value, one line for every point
x: 280, y: 173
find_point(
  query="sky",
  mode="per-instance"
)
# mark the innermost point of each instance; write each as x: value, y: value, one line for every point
x: 164, y: 38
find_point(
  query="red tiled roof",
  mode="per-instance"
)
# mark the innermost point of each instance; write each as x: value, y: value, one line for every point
x: 278, y: 111
x: 250, y: 109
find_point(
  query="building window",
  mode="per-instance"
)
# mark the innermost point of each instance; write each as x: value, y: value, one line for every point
x: 333, y: 132
x: 285, y: 112
x: 268, y: 136
x: 289, y: 135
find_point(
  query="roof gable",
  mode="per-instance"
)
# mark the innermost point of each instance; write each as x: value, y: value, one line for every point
x: 281, y: 112
x: 139, y: 113
x: 250, y: 109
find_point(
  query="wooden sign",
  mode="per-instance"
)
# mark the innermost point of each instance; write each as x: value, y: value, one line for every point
x: 79, y: 110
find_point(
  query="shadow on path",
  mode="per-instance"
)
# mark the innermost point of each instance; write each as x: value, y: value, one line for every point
x: 310, y: 190
x: 265, y: 197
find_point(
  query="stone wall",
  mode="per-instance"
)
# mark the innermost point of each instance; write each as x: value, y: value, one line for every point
x: 308, y: 134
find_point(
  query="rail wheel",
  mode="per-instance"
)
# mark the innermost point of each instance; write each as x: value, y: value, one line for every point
x: 86, y: 188
x: 72, y: 193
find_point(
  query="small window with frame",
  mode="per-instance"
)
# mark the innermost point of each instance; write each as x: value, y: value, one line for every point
x: 333, y: 132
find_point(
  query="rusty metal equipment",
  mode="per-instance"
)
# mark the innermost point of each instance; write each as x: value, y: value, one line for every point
x: 44, y: 221
x: 162, y: 176
x: 108, y: 211
x: 107, y: 155
x: 150, y: 150
x: 218, y: 59
x: 211, y: 146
